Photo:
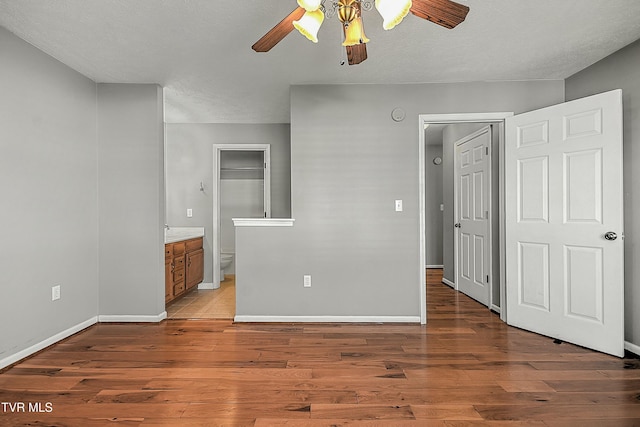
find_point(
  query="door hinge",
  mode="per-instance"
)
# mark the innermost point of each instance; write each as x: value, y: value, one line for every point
x: 487, y: 278
x: 487, y: 150
x: 265, y: 215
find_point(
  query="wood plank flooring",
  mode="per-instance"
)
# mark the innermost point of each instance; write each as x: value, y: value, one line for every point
x: 465, y: 368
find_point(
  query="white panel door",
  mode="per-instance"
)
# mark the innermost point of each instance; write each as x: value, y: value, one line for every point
x: 564, y: 223
x: 472, y: 169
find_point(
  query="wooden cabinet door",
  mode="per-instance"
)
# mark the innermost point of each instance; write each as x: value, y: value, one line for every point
x: 195, y: 268
x: 168, y: 280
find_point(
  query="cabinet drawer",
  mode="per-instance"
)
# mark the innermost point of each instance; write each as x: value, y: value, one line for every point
x: 178, y: 248
x: 178, y: 288
x: 178, y: 275
x: 193, y: 244
x: 168, y: 251
x: 178, y: 263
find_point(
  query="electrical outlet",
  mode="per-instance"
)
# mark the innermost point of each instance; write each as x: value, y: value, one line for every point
x: 189, y: 213
x: 55, y: 293
x: 307, y: 281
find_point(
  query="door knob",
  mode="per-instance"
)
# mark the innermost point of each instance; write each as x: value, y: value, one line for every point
x: 457, y: 225
x: 610, y: 235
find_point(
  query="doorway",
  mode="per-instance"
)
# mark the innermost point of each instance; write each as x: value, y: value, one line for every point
x: 466, y: 124
x: 241, y: 189
x: 242, y: 172
x: 560, y: 200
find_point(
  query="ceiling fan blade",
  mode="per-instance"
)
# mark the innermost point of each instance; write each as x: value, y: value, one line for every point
x: 357, y: 53
x: 277, y: 33
x: 442, y: 12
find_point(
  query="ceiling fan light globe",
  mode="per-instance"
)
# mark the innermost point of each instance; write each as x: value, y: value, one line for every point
x: 310, y: 5
x: 309, y: 24
x: 393, y: 11
x: 354, y: 33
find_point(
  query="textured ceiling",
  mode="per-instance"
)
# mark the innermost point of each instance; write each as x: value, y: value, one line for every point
x: 200, y: 50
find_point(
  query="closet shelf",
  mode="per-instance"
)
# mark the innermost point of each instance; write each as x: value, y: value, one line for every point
x: 254, y: 168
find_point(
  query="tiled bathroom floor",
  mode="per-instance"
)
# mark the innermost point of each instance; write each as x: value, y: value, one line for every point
x: 206, y: 303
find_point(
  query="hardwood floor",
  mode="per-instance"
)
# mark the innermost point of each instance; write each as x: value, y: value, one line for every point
x: 465, y: 368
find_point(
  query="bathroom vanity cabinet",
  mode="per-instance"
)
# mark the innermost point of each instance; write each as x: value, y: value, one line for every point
x: 184, y: 267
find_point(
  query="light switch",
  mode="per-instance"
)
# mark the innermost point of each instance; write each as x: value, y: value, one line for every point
x: 398, y: 205
x: 55, y: 293
x: 189, y: 213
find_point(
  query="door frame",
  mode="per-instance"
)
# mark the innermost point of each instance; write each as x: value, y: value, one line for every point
x: 217, y: 150
x: 456, y: 205
x: 423, y: 121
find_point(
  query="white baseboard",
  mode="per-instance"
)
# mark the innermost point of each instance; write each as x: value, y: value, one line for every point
x: 207, y: 286
x: 328, y: 319
x: 435, y: 266
x: 448, y: 283
x: 9, y: 360
x: 495, y: 308
x: 635, y: 349
x: 130, y: 318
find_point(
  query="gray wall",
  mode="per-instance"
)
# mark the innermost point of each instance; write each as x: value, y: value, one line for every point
x: 433, y: 199
x: 131, y: 199
x: 48, y: 179
x: 189, y: 161
x: 621, y: 70
x: 346, y: 174
x: 81, y: 176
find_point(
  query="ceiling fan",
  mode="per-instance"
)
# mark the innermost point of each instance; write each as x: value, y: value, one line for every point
x: 310, y: 14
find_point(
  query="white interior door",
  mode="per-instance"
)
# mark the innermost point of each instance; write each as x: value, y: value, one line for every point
x: 564, y: 222
x: 472, y: 177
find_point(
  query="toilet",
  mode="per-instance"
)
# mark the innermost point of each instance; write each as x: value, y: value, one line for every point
x: 225, y: 261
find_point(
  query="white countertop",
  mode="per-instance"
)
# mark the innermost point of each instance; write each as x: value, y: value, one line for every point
x: 176, y: 234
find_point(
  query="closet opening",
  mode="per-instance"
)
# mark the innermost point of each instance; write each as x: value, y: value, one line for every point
x: 241, y: 189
